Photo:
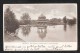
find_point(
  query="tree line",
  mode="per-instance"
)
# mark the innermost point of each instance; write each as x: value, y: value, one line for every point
x: 11, y: 23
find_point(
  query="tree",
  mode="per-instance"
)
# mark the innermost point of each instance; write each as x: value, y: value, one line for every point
x: 65, y: 20
x: 72, y: 21
x: 25, y: 19
x: 11, y: 24
x: 55, y: 21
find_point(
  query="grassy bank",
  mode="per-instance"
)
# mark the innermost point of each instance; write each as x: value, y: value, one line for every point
x: 11, y: 38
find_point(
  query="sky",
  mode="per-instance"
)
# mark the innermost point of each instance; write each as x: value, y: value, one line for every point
x: 54, y: 10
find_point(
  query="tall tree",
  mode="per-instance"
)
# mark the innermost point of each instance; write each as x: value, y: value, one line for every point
x: 25, y: 18
x: 11, y: 24
x: 65, y: 20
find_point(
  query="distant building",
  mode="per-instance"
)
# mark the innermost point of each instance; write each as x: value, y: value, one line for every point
x: 42, y: 21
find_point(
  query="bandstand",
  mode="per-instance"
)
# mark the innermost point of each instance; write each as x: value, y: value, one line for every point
x: 42, y: 21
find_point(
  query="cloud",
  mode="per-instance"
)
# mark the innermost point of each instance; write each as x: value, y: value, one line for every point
x: 29, y: 7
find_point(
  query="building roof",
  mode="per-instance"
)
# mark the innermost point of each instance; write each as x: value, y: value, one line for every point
x: 41, y: 17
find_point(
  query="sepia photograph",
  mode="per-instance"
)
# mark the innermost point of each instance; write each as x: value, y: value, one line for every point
x: 41, y: 23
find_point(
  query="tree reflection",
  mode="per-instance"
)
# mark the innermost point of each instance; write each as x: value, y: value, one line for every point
x: 42, y: 31
x: 65, y: 26
x: 26, y: 30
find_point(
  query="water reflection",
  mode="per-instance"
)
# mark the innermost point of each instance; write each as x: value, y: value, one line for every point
x: 42, y: 31
x: 47, y: 33
x: 65, y: 26
x: 26, y: 30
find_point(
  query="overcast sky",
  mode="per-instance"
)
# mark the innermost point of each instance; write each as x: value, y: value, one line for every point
x: 49, y: 10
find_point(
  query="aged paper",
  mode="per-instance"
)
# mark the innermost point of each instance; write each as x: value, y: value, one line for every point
x: 40, y: 27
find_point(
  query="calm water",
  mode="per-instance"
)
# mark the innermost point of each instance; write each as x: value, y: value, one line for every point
x: 57, y: 33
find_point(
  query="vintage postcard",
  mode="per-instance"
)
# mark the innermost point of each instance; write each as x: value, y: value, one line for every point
x: 40, y: 27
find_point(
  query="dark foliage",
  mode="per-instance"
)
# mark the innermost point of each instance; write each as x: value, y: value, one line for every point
x: 65, y: 20
x: 55, y: 21
x: 11, y: 24
x: 72, y: 21
x: 25, y: 19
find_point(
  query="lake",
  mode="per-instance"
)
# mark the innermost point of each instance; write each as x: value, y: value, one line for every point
x: 55, y: 33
